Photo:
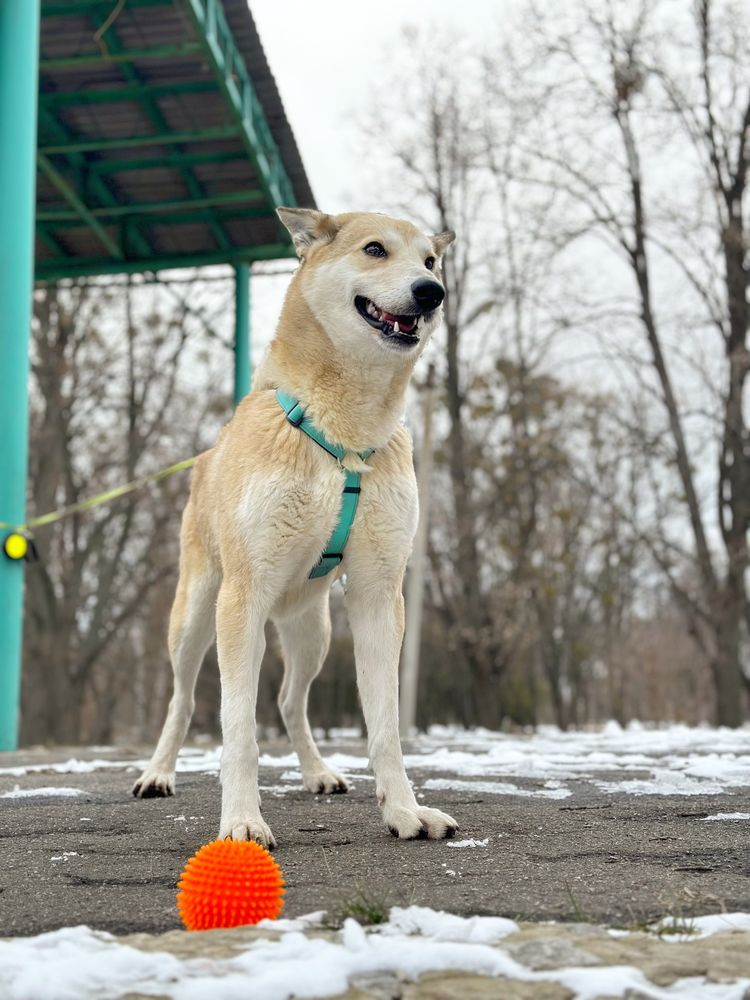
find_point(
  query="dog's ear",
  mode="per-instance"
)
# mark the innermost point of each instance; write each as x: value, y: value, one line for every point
x: 441, y: 241
x: 307, y: 227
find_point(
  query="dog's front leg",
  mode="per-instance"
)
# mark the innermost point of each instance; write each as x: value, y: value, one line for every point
x: 241, y: 644
x: 376, y: 613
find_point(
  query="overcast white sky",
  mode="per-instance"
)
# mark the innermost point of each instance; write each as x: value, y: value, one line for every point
x: 331, y: 57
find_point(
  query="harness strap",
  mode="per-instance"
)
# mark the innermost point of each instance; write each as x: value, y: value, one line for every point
x: 334, y: 550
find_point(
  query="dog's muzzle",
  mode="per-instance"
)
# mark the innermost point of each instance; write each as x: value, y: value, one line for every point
x: 401, y: 329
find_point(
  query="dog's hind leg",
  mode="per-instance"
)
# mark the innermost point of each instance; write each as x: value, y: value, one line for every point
x: 304, y: 642
x: 191, y: 631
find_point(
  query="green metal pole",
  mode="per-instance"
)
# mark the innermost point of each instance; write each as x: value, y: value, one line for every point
x: 19, y: 57
x: 242, y: 372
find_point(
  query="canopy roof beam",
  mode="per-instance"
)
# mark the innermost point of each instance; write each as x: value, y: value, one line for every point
x: 181, y: 206
x: 186, y: 50
x: 133, y: 92
x: 84, y: 6
x: 252, y: 197
x: 47, y: 238
x: 180, y: 218
x: 52, y: 270
x: 234, y: 80
x: 83, y: 213
x: 195, y: 188
x: 129, y: 142
x: 97, y: 186
x: 170, y: 160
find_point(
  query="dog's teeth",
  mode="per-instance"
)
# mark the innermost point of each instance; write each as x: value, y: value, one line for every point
x: 396, y: 327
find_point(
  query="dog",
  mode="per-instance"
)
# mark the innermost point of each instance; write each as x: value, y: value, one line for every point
x: 264, y: 502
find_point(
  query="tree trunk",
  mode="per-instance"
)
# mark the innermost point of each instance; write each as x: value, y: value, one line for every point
x: 728, y: 614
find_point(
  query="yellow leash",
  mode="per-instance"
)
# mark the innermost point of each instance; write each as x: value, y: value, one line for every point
x: 16, y: 544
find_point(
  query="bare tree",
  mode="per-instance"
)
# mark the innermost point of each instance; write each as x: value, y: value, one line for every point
x: 629, y: 66
x: 111, y: 391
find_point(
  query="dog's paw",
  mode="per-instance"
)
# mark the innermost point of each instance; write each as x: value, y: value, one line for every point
x: 325, y: 782
x: 248, y: 829
x: 420, y: 823
x: 154, y: 785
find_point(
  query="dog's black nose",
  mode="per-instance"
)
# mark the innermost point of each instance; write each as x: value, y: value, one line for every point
x: 427, y: 294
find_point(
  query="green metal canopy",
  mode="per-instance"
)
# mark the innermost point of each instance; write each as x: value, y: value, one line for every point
x: 162, y: 143
x: 162, y: 139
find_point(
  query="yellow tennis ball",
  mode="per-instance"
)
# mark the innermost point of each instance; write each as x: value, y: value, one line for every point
x: 16, y: 546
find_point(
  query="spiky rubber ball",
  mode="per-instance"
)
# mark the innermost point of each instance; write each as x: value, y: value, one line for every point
x: 227, y: 883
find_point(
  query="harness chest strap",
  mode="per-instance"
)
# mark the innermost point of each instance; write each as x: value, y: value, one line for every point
x: 334, y: 550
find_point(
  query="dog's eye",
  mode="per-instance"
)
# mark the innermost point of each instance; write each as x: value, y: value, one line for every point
x: 375, y: 250
x: 429, y: 263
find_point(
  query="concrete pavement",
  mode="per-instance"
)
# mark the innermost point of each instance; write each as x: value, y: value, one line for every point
x: 110, y: 861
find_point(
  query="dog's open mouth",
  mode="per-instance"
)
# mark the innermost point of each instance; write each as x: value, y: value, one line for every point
x: 399, y: 329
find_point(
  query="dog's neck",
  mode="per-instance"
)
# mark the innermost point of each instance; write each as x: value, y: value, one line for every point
x: 354, y: 404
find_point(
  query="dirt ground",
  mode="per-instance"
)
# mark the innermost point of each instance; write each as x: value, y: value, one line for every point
x: 111, y: 861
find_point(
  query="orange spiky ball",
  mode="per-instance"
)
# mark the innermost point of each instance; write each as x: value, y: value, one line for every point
x: 227, y: 883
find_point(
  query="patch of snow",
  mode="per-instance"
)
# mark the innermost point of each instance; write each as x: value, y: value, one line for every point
x: 701, y: 927
x: 337, y: 761
x: 50, y: 792
x: 73, y: 766
x: 636, y: 760
x: 302, y: 923
x: 495, y: 788
x: 277, y: 790
x: 65, y: 855
x: 441, y: 926
x: 662, y: 782
x: 729, y: 816
x: 340, y: 733
x: 80, y: 964
x: 468, y: 843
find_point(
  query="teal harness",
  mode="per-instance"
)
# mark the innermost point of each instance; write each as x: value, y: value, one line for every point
x: 334, y: 550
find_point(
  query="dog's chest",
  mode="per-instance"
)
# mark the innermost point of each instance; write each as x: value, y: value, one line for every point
x: 284, y: 521
x: 284, y: 505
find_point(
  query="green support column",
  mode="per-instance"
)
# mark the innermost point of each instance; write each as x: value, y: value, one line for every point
x: 19, y: 56
x: 242, y: 372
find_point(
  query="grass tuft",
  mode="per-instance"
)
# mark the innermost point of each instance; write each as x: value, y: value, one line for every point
x: 367, y: 906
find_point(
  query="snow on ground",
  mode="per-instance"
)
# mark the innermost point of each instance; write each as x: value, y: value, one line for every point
x: 78, y: 963
x: 471, y: 842
x: 637, y: 760
x: 25, y: 793
x: 693, y: 928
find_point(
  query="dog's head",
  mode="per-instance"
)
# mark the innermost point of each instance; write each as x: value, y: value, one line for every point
x: 372, y: 282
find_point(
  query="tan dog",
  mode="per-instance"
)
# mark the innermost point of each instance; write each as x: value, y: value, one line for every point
x: 265, y: 500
